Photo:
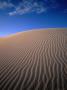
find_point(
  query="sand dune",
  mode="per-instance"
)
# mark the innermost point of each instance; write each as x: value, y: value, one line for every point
x: 34, y: 60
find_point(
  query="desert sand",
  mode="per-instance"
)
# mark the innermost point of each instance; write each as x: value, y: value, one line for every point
x: 34, y: 60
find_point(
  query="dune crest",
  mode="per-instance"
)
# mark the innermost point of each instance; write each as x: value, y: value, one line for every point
x: 34, y: 60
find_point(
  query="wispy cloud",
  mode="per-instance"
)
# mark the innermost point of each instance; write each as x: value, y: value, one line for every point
x: 27, y: 7
x: 23, y: 7
x: 20, y: 7
x: 4, y: 5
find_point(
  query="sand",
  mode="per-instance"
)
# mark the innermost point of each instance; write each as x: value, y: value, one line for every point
x: 34, y: 60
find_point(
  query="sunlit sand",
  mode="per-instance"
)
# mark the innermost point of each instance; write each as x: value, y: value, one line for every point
x: 34, y: 60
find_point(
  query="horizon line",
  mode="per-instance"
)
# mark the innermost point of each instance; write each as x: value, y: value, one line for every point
x: 37, y: 29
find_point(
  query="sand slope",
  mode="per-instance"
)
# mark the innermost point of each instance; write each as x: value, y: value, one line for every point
x: 34, y: 60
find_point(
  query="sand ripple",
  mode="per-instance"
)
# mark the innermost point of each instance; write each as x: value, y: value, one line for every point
x: 35, y: 60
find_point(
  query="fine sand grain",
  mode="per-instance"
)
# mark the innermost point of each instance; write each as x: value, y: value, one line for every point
x: 34, y: 60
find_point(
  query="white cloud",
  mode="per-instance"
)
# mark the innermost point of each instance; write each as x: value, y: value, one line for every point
x: 5, y: 4
x: 27, y: 7
x: 19, y: 11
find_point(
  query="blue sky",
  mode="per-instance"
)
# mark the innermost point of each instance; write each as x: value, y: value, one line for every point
x: 23, y: 15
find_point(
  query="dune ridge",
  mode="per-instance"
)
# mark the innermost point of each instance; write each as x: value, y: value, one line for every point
x: 34, y: 60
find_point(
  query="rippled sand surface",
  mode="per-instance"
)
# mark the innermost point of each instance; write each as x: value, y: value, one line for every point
x: 34, y: 60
